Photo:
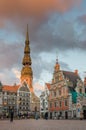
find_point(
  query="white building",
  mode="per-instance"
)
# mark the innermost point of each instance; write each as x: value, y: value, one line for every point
x: 44, y: 100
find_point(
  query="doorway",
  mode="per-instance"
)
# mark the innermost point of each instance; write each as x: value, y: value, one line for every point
x: 50, y: 115
x: 84, y: 114
x: 66, y: 115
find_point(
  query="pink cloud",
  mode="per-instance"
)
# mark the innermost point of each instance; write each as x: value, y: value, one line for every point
x: 34, y: 8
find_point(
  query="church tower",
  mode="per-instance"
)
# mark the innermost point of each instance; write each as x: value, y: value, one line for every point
x: 26, y: 72
x: 57, y: 66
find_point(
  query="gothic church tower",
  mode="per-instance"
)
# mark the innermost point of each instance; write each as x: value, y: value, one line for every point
x: 26, y: 72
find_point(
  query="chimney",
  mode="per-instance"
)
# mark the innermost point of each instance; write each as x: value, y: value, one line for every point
x: 76, y: 72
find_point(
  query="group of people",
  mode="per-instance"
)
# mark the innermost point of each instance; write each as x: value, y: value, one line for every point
x: 36, y: 116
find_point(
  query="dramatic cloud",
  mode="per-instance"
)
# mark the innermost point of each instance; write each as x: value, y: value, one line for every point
x: 63, y: 37
x: 34, y: 8
x: 10, y: 54
x: 51, y: 29
x: 38, y: 88
x: 82, y: 19
x: 16, y: 72
x: 35, y: 12
x: 7, y: 76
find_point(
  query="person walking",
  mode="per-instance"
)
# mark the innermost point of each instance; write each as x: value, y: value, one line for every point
x: 46, y: 115
x: 36, y: 116
x: 81, y: 116
x: 11, y: 115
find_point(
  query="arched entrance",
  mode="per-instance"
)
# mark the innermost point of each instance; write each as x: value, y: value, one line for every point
x: 84, y: 112
x: 66, y: 115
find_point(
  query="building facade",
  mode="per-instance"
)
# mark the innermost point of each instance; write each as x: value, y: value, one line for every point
x: 44, y: 100
x: 27, y: 75
x: 21, y: 98
x: 64, y: 94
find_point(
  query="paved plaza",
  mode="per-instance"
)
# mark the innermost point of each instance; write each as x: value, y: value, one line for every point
x: 32, y: 124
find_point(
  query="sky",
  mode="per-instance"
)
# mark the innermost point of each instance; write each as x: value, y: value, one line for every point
x: 57, y: 28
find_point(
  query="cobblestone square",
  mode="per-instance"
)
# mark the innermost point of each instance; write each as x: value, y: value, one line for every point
x: 32, y: 124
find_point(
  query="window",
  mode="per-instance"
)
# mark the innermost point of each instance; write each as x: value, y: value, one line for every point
x: 20, y: 99
x: 59, y: 92
x: 54, y: 94
x: 55, y: 104
x: 80, y: 90
x: 66, y: 103
x: 23, y: 103
x: 20, y: 103
x: 60, y: 104
x: 46, y: 108
x: 51, y: 93
x: 26, y: 108
x: 20, y: 94
x: 50, y: 104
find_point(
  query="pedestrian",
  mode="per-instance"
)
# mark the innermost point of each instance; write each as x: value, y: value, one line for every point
x: 11, y: 115
x: 36, y: 116
x: 46, y: 115
x: 81, y: 116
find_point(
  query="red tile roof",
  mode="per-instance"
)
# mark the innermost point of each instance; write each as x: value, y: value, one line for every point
x: 48, y: 85
x: 10, y: 88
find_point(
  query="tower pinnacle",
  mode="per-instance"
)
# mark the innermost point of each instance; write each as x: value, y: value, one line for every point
x: 57, y: 65
x: 27, y: 35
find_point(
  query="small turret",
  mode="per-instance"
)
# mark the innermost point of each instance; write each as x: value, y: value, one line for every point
x: 57, y: 66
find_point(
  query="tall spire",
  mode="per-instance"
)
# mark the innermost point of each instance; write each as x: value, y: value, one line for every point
x: 56, y: 57
x: 27, y: 58
x: 26, y: 72
x: 27, y: 35
x: 56, y: 60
